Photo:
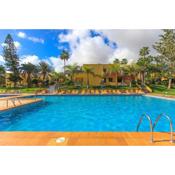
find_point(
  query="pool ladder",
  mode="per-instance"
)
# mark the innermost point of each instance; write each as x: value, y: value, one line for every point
x: 152, y: 126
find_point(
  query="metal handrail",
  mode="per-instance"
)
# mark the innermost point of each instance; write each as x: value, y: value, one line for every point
x: 150, y: 124
x: 170, y: 122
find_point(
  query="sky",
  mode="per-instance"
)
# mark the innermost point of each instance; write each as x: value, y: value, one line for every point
x: 85, y: 46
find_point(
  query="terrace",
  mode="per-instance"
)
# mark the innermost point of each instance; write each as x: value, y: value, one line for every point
x: 83, y: 139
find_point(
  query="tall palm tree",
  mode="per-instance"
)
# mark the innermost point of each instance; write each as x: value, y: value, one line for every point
x: 64, y: 56
x: 115, y: 68
x: 28, y: 69
x: 132, y: 70
x: 71, y: 70
x: 88, y: 70
x: 45, y: 69
x: 143, y: 62
x: 123, y: 70
x: 2, y: 75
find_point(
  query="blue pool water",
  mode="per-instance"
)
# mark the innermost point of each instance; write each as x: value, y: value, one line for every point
x: 87, y: 113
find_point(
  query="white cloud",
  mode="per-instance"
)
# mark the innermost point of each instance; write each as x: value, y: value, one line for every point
x: 57, y: 63
x: 88, y: 49
x: 123, y: 53
x: 133, y: 40
x: 16, y: 43
x: 91, y: 50
x: 34, y: 59
x: 21, y: 35
x: 2, y: 62
x: 31, y: 38
x: 3, y: 44
x: 36, y: 40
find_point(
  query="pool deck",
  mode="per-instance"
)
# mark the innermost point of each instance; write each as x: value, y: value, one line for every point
x: 84, y: 139
x: 22, y: 102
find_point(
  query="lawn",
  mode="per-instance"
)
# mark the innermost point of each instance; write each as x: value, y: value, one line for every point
x: 22, y: 90
x: 34, y: 89
x: 161, y: 89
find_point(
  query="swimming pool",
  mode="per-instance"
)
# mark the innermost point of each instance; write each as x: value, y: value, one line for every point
x: 87, y: 113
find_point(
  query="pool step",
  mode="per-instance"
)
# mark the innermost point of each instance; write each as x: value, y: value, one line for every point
x: 152, y: 126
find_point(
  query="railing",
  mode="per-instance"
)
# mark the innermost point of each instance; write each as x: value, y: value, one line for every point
x: 170, y: 123
x: 150, y: 124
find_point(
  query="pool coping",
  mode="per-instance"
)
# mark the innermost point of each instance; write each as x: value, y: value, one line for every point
x: 160, y: 97
x: 21, y: 105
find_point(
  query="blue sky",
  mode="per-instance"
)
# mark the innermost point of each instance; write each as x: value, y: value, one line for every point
x: 85, y: 46
x: 48, y: 42
x: 28, y: 47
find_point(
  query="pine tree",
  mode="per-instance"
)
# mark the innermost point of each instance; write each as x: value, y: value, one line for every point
x: 11, y: 59
x: 166, y: 49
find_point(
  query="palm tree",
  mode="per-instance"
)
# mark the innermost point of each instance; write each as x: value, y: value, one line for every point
x: 132, y: 70
x: 123, y: 70
x: 57, y: 77
x: 45, y: 69
x: 88, y: 70
x: 116, y: 61
x: 64, y: 56
x: 28, y: 69
x: 144, y: 62
x: 115, y: 68
x: 2, y: 75
x: 124, y: 61
x: 71, y: 70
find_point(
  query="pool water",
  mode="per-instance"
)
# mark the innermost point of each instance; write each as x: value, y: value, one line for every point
x: 88, y: 113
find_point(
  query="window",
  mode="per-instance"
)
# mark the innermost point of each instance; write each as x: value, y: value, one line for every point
x: 110, y: 80
x: 104, y: 80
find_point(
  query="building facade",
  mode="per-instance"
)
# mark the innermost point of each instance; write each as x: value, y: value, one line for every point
x: 102, y: 75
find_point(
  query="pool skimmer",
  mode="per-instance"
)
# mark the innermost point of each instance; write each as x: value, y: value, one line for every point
x: 60, y: 139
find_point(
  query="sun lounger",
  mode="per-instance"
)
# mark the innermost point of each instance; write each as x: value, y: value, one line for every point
x: 92, y: 91
x: 104, y: 91
x: 83, y: 92
x: 96, y: 91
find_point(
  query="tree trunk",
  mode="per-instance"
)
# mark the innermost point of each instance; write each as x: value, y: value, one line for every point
x: 143, y: 78
x: 28, y: 80
x: 72, y: 78
x: 44, y: 77
x: 15, y: 84
x: 169, y: 83
x: 122, y: 80
x: 87, y: 80
x: 116, y: 80
x: 130, y: 83
x: 64, y: 65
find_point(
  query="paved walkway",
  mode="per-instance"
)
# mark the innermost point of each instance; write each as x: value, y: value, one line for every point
x: 84, y: 139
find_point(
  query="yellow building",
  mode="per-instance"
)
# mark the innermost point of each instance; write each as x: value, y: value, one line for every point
x: 101, y: 76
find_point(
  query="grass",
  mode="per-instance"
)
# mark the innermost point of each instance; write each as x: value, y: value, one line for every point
x: 71, y: 87
x: 162, y: 89
x: 23, y: 90
x: 32, y: 90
